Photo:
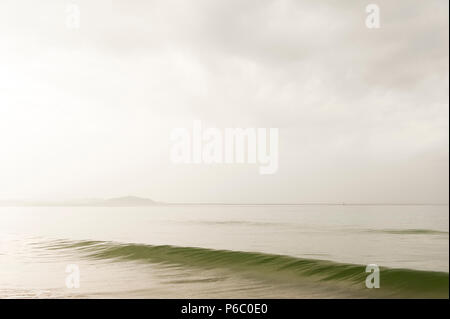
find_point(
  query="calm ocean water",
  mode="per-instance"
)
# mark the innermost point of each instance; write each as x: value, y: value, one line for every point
x: 224, y: 251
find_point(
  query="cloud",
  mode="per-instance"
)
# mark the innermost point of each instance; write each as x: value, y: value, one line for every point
x: 312, y: 68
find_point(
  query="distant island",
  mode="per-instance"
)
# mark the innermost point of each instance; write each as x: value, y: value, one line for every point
x: 134, y: 201
x: 125, y: 201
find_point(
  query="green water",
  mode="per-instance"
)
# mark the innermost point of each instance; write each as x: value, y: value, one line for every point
x: 224, y: 252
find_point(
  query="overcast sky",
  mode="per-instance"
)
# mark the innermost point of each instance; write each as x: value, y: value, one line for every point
x: 362, y: 113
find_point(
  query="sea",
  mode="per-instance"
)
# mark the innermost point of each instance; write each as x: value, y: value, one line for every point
x: 225, y: 251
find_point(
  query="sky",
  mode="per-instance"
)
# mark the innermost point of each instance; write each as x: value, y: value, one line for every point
x: 363, y: 114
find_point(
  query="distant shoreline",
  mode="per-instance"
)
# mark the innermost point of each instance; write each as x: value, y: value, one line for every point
x: 134, y: 201
x: 5, y: 204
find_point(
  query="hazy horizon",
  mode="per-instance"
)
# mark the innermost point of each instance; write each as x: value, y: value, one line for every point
x: 132, y: 198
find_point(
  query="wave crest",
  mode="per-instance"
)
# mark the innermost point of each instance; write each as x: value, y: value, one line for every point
x: 394, y: 282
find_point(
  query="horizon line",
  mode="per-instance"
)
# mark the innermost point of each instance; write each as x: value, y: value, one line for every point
x: 108, y: 202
